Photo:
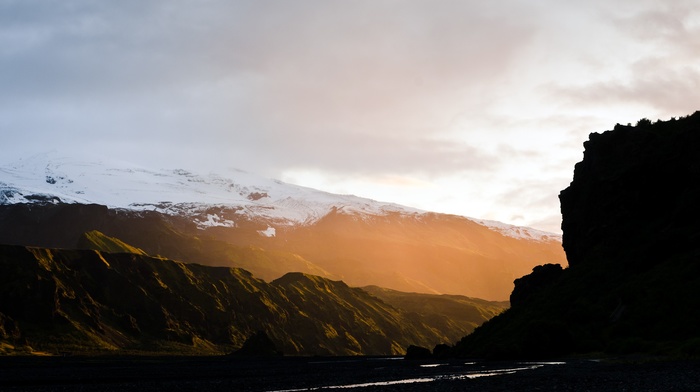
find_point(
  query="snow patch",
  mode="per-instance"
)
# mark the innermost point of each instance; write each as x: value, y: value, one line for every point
x: 269, y: 232
x: 519, y: 232
x: 213, y: 220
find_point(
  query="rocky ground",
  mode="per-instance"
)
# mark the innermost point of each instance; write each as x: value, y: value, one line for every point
x: 327, y: 374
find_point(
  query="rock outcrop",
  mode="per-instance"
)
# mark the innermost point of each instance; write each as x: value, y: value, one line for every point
x: 258, y: 344
x: 633, y: 245
x: 529, y: 285
x: 635, y: 194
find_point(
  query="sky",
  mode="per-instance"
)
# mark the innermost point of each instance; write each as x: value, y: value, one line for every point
x: 475, y: 108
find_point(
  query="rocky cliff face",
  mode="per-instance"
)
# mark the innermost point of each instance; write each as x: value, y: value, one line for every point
x: 633, y: 244
x: 634, y: 196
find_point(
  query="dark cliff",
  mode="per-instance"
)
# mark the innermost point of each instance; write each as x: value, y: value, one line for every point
x: 633, y: 245
x: 635, y: 195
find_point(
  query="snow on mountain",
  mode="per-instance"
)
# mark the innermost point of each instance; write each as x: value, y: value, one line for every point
x: 50, y: 177
x: 518, y: 231
x: 54, y: 178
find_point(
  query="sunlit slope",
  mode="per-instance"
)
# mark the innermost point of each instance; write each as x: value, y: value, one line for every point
x: 452, y: 315
x: 157, y: 234
x: 98, y: 241
x: 86, y: 301
x: 430, y: 253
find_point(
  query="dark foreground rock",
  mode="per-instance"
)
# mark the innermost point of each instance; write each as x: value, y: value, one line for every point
x: 258, y: 345
x: 338, y: 373
x: 633, y: 245
x: 416, y: 352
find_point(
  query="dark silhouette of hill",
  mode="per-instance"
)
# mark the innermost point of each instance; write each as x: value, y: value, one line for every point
x: 631, y: 235
x: 88, y: 301
x: 97, y: 301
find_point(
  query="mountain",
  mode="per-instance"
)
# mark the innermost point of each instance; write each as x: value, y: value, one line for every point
x: 265, y: 226
x: 631, y: 237
x: 452, y: 314
x: 97, y: 241
x: 88, y: 301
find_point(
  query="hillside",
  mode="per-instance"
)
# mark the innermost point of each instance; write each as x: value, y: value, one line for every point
x: 89, y: 302
x: 64, y: 225
x: 455, y: 315
x: 630, y: 234
x: 265, y: 226
x: 429, y: 253
x: 96, y: 240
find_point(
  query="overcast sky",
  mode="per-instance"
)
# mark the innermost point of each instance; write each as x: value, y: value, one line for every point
x: 477, y: 108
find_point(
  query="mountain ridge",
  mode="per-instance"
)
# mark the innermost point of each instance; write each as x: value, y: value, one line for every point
x: 53, y: 178
x: 91, y: 302
x: 267, y: 227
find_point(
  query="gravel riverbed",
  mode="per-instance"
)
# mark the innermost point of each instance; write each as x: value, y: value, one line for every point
x: 334, y: 374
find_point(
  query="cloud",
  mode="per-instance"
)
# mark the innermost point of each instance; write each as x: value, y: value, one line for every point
x: 671, y: 24
x: 663, y: 91
x: 308, y: 83
x: 655, y: 66
x: 550, y: 223
x: 375, y: 154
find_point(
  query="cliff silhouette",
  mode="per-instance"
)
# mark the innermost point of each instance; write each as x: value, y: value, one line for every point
x: 632, y: 239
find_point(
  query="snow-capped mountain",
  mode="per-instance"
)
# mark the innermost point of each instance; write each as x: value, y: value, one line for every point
x: 235, y: 194
x: 237, y: 219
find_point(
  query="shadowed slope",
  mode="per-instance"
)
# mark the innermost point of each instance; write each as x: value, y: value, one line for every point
x: 456, y: 315
x: 87, y: 301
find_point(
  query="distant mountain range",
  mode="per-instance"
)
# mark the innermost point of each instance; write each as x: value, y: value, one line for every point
x: 265, y: 226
